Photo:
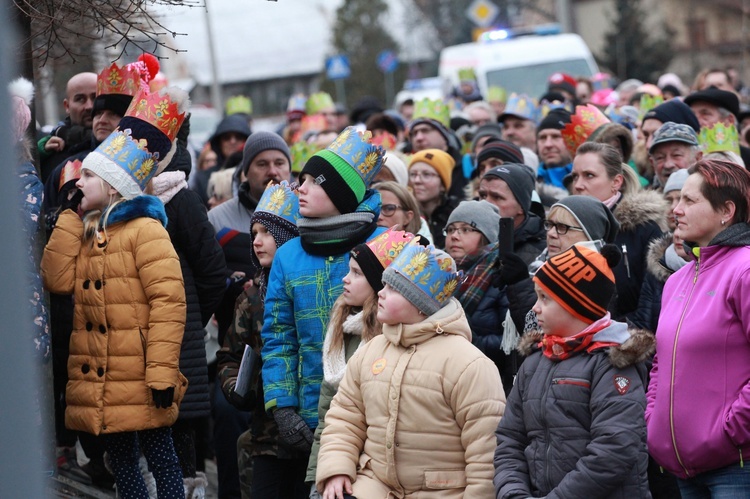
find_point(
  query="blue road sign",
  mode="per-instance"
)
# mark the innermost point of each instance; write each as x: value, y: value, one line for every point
x: 387, y: 61
x: 337, y: 67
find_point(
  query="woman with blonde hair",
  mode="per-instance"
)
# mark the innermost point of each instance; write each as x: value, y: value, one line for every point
x: 399, y: 207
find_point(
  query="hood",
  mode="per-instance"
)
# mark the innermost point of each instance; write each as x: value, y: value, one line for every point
x: 655, y: 257
x: 370, y: 204
x: 550, y: 194
x: 635, y: 345
x: 639, y: 208
x: 530, y: 231
x: 140, y: 206
x: 733, y: 236
x: 448, y: 320
x: 233, y: 123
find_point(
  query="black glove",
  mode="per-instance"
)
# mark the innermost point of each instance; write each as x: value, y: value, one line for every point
x: 240, y: 402
x: 293, y: 430
x: 163, y: 398
x: 73, y: 202
x: 510, y: 269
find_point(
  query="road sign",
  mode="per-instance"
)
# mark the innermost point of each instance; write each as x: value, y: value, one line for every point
x: 482, y: 13
x: 387, y: 61
x: 337, y: 67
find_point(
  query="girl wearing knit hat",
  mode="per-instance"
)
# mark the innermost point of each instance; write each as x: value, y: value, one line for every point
x: 338, y: 212
x: 578, y: 401
x: 353, y: 320
x: 430, y: 173
x: 421, y: 378
x: 276, y: 469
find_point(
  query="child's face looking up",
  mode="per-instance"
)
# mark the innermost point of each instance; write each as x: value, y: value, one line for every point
x: 313, y: 200
x: 97, y: 194
x: 356, y: 287
x: 394, y: 309
x: 553, y: 319
x: 264, y: 245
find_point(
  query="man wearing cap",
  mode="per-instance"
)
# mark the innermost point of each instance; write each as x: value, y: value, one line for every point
x: 712, y: 106
x: 674, y: 110
x: 496, y: 152
x: 564, y: 84
x: 519, y: 125
x: 673, y: 147
x: 554, y: 156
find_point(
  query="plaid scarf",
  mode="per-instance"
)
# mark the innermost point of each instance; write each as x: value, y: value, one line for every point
x: 559, y: 348
x: 478, y: 269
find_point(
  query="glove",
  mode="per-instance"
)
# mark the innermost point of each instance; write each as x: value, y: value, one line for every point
x: 293, y: 430
x: 240, y: 402
x: 73, y: 202
x: 163, y: 398
x: 510, y: 270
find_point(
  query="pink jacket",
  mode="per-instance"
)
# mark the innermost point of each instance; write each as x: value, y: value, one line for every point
x: 698, y: 411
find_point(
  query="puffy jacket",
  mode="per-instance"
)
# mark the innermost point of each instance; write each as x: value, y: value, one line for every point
x: 129, y: 317
x: 642, y: 218
x: 414, y: 414
x: 699, y: 397
x: 575, y: 428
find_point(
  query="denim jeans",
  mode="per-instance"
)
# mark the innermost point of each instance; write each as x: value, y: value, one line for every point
x: 229, y: 424
x: 730, y: 482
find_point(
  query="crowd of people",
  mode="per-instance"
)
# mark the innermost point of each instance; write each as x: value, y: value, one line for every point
x: 502, y: 297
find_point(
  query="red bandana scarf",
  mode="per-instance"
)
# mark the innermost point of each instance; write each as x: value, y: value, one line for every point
x: 559, y: 348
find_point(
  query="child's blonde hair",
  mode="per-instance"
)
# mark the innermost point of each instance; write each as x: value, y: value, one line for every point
x: 370, y: 325
x: 96, y: 219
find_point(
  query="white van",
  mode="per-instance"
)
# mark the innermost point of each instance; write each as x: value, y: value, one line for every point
x: 519, y: 61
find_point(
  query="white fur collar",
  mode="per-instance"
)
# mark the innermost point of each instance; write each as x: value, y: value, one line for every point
x: 334, y: 365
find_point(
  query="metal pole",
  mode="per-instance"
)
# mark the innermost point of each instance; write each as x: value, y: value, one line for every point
x: 388, y: 89
x: 340, y: 91
x: 216, y: 100
x: 563, y: 15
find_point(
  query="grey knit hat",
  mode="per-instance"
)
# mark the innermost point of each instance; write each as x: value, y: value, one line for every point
x: 481, y: 215
x: 259, y: 142
x: 593, y: 216
x: 676, y: 180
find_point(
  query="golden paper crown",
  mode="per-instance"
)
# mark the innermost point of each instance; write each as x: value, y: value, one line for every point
x: 116, y: 80
x: 720, y: 138
x: 582, y: 124
x: 158, y: 110
x: 648, y: 102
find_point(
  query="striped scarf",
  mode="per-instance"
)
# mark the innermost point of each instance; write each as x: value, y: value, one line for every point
x: 478, y: 269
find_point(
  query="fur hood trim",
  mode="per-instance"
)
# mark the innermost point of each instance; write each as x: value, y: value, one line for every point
x: 655, y: 255
x: 640, y: 208
x: 638, y: 348
x: 139, y: 206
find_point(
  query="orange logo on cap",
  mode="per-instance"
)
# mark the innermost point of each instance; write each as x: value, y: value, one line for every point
x: 378, y: 366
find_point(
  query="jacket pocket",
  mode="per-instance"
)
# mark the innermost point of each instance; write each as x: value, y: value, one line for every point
x: 584, y: 383
x: 444, y: 479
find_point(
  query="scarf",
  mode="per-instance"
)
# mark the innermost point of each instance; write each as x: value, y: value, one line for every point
x: 478, y: 267
x: 611, y: 202
x: 334, y: 365
x: 167, y: 184
x: 558, y: 348
x: 336, y: 235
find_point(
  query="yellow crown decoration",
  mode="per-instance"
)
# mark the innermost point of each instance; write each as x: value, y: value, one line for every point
x: 239, y: 104
x: 116, y: 80
x: 720, y: 138
x: 648, y: 102
x: 158, y: 110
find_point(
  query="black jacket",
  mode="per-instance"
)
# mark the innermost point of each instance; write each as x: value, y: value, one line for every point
x: 205, y: 273
x: 439, y: 219
x: 77, y: 139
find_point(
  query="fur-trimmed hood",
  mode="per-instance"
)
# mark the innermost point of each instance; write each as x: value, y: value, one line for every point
x: 139, y: 206
x: 655, y: 257
x: 639, y: 208
x: 637, y: 348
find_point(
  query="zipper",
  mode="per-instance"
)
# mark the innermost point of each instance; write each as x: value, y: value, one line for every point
x: 671, y: 384
x: 572, y: 381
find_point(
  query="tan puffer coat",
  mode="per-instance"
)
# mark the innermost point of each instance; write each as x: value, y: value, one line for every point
x: 415, y: 414
x: 129, y: 318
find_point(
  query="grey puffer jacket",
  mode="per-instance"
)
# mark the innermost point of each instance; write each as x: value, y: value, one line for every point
x: 575, y: 428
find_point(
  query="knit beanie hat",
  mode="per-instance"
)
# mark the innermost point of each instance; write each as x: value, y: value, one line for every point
x: 488, y: 130
x: 481, y: 215
x: 580, y: 280
x: 674, y: 110
x: 676, y: 180
x: 278, y: 212
x: 345, y: 168
x: 520, y: 180
x: 592, y: 215
x: 508, y: 152
x: 259, y: 142
x: 441, y: 161
x: 425, y: 276
x: 396, y: 166
x: 374, y: 256
x: 556, y: 118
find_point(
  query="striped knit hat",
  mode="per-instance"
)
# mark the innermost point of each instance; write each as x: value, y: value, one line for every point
x: 580, y: 280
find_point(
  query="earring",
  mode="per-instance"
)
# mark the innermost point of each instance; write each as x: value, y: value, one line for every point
x: 723, y: 222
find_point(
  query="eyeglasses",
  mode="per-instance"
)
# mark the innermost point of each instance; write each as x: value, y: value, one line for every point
x: 390, y: 209
x: 462, y: 231
x: 423, y: 175
x: 560, y: 228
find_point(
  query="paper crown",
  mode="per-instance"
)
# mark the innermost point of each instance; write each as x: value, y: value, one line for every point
x: 467, y: 74
x: 280, y: 200
x: 521, y: 106
x: 239, y: 104
x: 545, y: 107
x: 604, y: 97
x: 313, y: 123
x: 582, y: 124
x: 158, y: 110
x: 160, y: 81
x: 388, y: 245
x: 432, y: 272
x: 297, y: 103
x: 435, y: 110
x: 71, y: 171
x: 497, y: 94
x: 301, y: 152
x: 318, y: 102
x: 719, y: 138
x: 357, y: 150
x: 601, y: 81
x: 648, y: 102
x: 116, y: 80
x: 386, y: 140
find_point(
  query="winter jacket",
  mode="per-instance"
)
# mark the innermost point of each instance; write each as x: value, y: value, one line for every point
x: 204, y: 273
x: 530, y: 238
x: 414, y: 414
x: 642, y: 217
x: 77, y: 138
x: 574, y: 428
x: 658, y: 270
x: 302, y: 289
x: 129, y: 317
x: 439, y: 219
x: 699, y: 395
x: 231, y: 215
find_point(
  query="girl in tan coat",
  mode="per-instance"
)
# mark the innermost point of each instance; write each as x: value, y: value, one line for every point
x: 129, y: 317
x: 414, y: 414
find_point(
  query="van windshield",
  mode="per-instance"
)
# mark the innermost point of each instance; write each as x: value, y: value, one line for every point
x: 532, y: 80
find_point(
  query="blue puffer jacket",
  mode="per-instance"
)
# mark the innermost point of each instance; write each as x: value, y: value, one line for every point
x: 301, y: 291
